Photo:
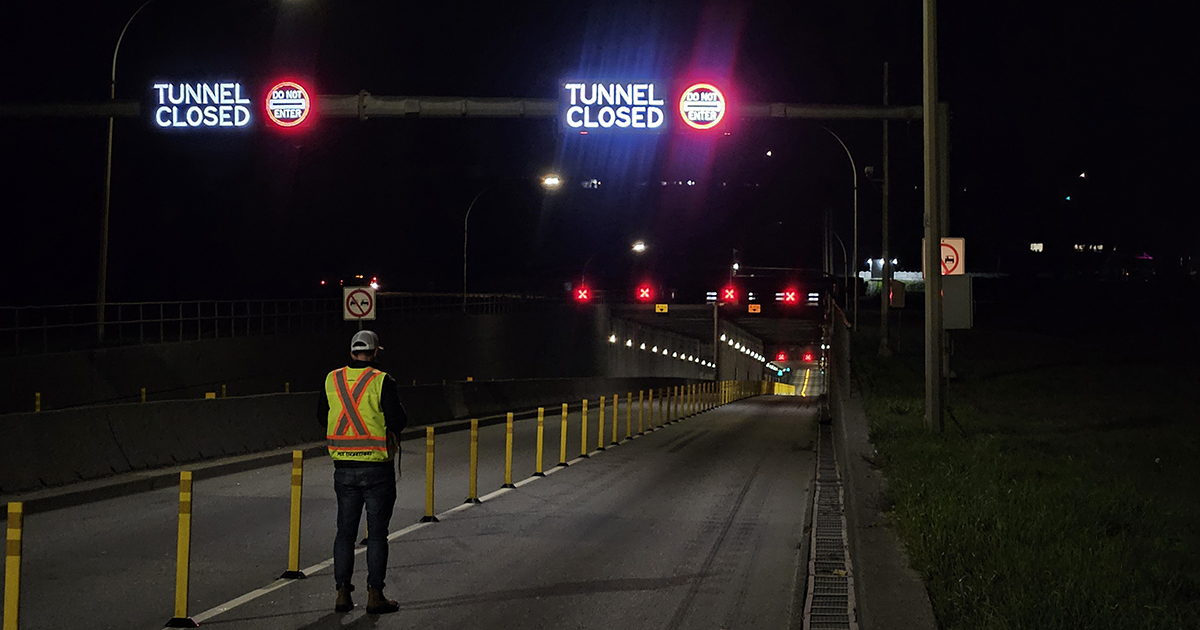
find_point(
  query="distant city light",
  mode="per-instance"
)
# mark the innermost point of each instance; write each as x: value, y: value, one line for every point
x: 1068, y: 197
x: 639, y: 246
x: 1037, y: 247
x: 551, y: 182
x: 768, y: 153
x: 1083, y: 175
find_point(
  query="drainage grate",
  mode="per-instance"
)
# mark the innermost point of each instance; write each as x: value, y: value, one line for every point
x: 829, y: 604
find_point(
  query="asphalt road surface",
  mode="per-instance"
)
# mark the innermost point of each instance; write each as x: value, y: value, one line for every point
x: 694, y: 525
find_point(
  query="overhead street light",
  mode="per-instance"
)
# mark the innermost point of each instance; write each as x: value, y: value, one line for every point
x: 639, y: 247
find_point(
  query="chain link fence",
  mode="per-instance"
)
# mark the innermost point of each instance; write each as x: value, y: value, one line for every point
x: 26, y: 330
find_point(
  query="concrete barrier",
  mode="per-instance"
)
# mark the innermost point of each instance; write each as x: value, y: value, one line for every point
x: 54, y: 448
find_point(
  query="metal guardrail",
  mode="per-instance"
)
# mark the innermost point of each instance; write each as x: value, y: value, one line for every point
x: 28, y: 330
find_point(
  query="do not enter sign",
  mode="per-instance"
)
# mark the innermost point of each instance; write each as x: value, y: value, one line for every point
x: 358, y: 303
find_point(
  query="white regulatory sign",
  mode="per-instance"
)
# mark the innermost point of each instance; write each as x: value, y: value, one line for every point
x: 358, y: 303
x: 953, y: 256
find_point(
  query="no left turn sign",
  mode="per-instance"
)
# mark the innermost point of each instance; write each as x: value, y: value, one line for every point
x: 358, y: 303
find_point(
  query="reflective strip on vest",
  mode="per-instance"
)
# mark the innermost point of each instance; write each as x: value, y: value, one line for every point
x: 350, y: 412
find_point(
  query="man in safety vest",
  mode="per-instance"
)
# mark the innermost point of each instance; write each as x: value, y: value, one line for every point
x: 364, y: 421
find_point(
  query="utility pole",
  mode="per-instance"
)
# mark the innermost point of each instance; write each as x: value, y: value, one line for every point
x: 885, y: 288
x: 934, y: 386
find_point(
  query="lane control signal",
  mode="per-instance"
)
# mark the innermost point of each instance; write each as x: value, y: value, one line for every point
x: 583, y: 294
x: 645, y: 293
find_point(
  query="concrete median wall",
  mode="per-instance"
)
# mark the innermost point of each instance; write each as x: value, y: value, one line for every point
x: 55, y: 448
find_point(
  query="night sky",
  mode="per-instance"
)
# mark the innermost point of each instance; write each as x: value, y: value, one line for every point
x: 1040, y: 93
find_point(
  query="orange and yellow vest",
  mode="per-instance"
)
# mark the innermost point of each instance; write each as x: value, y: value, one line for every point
x: 357, y: 430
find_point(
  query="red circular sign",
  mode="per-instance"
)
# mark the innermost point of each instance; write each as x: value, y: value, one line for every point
x: 360, y: 303
x: 288, y: 104
x: 702, y: 106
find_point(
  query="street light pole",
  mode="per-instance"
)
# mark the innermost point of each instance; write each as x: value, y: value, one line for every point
x: 549, y: 182
x: 845, y: 268
x: 102, y: 282
x: 466, y: 220
x: 855, y: 247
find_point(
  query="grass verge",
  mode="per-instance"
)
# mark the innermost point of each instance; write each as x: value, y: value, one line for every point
x: 1063, y: 493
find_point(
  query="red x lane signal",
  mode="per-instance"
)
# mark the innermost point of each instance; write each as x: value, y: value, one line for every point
x: 583, y: 294
x: 729, y: 294
x: 645, y: 293
x: 791, y: 296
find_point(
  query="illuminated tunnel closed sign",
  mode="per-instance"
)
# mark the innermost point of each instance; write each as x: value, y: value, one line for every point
x: 610, y: 106
x: 206, y: 105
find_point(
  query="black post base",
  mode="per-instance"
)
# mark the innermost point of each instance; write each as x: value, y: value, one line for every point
x: 293, y: 575
x: 508, y: 485
x: 538, y: 474
x: 181, y: 622
x: 429, y: 519
x: 563, y: 464
x: 474, y: 501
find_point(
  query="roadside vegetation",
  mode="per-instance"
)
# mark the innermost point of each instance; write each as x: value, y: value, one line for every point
x: 1064, y: 491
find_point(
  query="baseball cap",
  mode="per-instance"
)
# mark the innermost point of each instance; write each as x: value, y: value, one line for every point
x: 364, y: 341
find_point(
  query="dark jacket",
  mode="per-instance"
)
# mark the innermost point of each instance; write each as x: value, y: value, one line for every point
x: 393, y: 413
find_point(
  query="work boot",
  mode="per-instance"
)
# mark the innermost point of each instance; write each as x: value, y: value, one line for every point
x: 344, y: 601
x: 377, y: 604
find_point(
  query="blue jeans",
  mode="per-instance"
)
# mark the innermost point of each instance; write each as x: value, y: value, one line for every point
x: 374, y: 486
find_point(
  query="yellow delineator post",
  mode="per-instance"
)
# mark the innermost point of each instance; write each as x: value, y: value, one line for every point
x: 287, y: 387
x: 629, y: 415
x: 541, y: 433
x: 508, y: 432
x: 293, y: 571
x: 641, y: 410
x: 37, y: 402
x: 616, y: 402
x: 562, y: 439
x: 650, y: 410
x: 222, y: 390
x: 661, y: 398
x: 183, y: 554
x: 12, y: 565
x: 473, y: 480
x: 429, y: 517
x: 600, y: 439
x: 583, y: 432
x: 143, y: 394
x: 673, y: 405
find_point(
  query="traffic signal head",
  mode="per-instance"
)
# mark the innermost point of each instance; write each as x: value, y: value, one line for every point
x: 583, y: 293
x: 644, y: 293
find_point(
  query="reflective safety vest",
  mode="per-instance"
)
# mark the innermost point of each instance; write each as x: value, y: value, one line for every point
x: 356, y: 429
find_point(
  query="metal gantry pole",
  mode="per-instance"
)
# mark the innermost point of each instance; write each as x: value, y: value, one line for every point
x: 934, y: 398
